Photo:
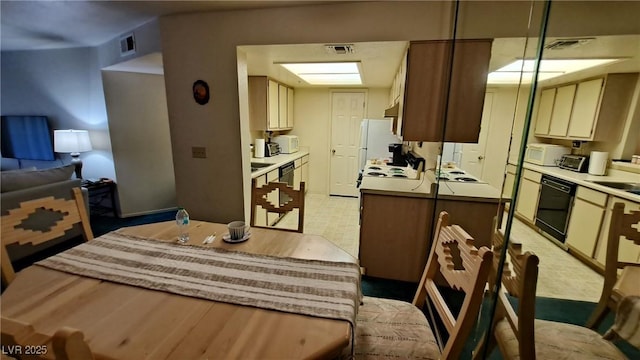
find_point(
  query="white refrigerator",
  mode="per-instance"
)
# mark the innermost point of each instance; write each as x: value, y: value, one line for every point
x: 375, y: 137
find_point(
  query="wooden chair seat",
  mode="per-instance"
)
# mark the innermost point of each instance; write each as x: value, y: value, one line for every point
x: 391, y: 329
x: 554, y: 340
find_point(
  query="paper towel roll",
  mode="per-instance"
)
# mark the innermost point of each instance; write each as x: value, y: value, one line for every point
x: 258, y: 148
x: 598, y: 162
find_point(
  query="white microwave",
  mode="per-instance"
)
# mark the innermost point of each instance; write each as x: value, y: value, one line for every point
x: 288, y: 143
x: 545, y: 154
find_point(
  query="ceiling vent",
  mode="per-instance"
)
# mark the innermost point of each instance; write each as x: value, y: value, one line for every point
x: 127, y: 45
x: 340, y: 49
x: 562, y: 44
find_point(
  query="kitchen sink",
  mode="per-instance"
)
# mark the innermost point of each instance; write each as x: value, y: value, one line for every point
x: 625, y: 186
x: 258, y: 166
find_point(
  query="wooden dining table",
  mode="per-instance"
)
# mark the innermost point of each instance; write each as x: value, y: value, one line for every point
x: 121, y: 321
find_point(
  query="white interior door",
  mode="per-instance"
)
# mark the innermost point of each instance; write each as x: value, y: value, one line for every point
x: 347, y: 112
x: 473, y: 155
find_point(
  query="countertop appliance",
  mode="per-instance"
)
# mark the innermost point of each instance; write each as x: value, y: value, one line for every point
x: 271, y: 149
x: 545, y: 154
x: 375, y: 136
x: 288, y: 143
x: 456, y: 174
x: 399, y: 159
x: 554, y: 206
x: 577, y: 163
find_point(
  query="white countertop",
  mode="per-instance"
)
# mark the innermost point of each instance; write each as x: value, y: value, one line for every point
x: 276, y: 162
x: 584, y: 179
x: 449, y: 190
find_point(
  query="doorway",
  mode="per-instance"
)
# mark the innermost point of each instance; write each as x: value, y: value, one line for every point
x: 347, y: 112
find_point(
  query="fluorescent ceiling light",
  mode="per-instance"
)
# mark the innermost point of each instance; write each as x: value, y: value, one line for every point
x: 326, y: 73
x: 510, y: 74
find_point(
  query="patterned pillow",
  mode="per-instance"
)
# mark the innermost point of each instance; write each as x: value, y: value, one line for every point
x: 18, y: 180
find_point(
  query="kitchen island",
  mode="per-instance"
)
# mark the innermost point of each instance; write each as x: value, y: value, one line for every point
x: 397, y: 220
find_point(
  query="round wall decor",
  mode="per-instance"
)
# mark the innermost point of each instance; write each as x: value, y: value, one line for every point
x: 201, y: 92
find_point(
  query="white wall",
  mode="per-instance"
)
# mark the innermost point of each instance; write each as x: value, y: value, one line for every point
x: 139, y: 128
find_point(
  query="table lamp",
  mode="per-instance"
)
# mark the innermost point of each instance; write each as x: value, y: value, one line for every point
x: 73, y: 142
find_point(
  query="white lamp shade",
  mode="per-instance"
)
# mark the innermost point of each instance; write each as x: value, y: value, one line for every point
x: 71, y: 141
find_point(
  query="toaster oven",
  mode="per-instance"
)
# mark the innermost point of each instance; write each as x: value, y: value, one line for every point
x: 288, y: 143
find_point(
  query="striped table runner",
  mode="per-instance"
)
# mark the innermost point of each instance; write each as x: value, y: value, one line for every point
x: 309, y: 287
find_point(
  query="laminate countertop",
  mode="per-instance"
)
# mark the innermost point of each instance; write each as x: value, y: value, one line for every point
x: 426, y: 186
x: 276, y: 161
x: 586, y: 180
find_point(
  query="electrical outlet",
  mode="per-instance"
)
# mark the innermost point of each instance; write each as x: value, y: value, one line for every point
x: 199, y: 152
x: 576, y: 144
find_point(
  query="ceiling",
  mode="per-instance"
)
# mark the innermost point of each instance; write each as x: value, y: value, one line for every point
x: 38, y: 25
x: 49, y: 27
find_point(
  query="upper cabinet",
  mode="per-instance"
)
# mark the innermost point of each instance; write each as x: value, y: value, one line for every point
x: 423, y: 111
x: 594, y: 109
x: 270, y: 104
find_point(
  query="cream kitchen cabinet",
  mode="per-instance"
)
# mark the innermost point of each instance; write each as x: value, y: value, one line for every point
x: 423, y: 106
x: 593, y: 109
x: 545, y: 109
x: 527, y: 204
x: 582, y: 234
x: 270, y: 104
x: 273, y: 197
x: 305, y: 172
x: 509, y: 181
x: 261, y: 213
x: 627, y: 251
x: 562, y: 107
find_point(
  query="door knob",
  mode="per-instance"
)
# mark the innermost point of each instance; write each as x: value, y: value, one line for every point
x: 480, y: 157
x: 333, y: 151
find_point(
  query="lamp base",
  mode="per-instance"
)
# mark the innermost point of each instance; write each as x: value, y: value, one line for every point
x: 75, y: 160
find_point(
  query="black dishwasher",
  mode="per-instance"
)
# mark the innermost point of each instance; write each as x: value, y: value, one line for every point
x: 554, y: 206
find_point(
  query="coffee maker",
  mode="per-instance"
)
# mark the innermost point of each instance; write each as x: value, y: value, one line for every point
x: 398, y: 158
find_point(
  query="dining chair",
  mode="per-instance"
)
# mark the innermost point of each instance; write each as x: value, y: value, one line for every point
x: 259, y: 197
x: 21, y: 339
x: 62, y: 215
x: 519, y: 335
x: 628, y: 283
x: 396, y: 329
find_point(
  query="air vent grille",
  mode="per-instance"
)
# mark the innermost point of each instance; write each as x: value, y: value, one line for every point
x: 561, y: 44
x: 340, y: 49
x: 127, y: 45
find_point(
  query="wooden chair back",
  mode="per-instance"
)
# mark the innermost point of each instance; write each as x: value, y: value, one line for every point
x: 519, y: 279
x: 259, y: 198
x: 15, y: 231
x: 623, y: 227
x: 65, y: 344
x: 464, y: 268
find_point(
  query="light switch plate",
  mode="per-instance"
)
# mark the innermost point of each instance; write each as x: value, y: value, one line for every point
x: 199, y: 152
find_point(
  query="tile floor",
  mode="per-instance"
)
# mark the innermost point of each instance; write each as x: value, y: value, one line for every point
x: 560, y: 274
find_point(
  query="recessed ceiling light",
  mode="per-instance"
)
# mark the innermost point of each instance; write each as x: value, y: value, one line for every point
x: 327, y: 73
x: 549, y: 68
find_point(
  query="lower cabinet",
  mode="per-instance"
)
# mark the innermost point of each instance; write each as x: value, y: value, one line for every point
x: 261, y: 213
x: 528, y: 196
x: 305, y: 172
x: 395, y: 236
x: 627, y: 251
x: 396, y: 231
x: 273, y: 197
x: 585, y: 221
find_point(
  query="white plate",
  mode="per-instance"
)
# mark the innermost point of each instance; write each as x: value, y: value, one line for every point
x: 227, y: 238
